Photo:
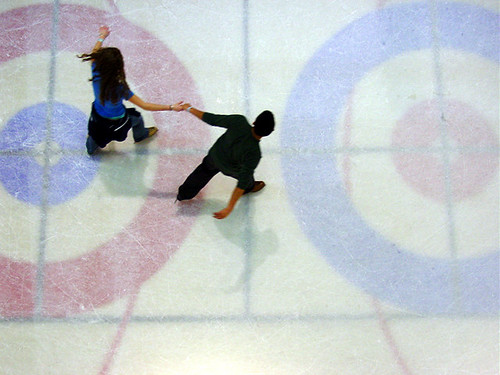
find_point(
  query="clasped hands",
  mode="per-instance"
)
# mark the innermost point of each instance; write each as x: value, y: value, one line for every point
x: 180, y: 106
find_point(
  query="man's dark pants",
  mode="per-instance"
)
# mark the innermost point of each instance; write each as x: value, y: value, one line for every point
x: 199, y: 178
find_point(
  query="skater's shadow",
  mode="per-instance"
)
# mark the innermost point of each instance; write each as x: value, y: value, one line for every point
x: 240, y: 229
x: 163, y: 194
x: 123, y: 173
x: 192, y: 207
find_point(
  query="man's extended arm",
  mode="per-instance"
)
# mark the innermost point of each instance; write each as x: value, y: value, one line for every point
x: 194, y: 111
x: 237, y: 193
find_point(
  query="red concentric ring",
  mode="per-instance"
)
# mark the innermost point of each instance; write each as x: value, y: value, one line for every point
x: 122, y: 264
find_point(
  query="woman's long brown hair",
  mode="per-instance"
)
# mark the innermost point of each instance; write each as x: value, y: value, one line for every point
x: 110, y: 67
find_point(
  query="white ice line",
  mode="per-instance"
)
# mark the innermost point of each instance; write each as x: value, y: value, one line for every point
x: 243, y: 318
x: 40, y: 275
x: 445, y: 155
x: 268, y: 150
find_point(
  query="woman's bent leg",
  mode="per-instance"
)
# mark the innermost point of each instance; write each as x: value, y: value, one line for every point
x: 91, y: 145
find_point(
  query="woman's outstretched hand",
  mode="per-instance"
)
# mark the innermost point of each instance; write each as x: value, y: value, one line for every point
x: 104, y: 32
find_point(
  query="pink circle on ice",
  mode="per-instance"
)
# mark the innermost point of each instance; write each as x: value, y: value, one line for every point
x: 435, y: 141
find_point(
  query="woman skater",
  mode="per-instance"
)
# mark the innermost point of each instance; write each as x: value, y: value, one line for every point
x: 110, y: 120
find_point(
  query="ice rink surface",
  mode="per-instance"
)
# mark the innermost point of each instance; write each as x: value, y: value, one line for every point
x: 373, y: 249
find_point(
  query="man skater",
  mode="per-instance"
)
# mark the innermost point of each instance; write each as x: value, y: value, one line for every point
x: 236, y: 153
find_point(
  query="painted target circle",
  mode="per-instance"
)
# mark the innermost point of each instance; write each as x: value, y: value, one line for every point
x: 467, y: 130
x: 315, y: 182
x: 23, y: 135
x: 119, y: 265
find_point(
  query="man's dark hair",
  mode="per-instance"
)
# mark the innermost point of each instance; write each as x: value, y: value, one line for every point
x: 264, y: 124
